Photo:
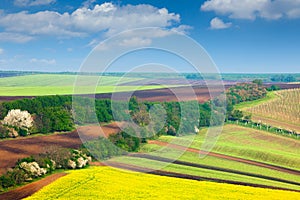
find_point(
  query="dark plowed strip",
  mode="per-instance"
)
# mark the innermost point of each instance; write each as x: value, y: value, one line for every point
x: 232, y: 158
x: 30, y: 189
x: 167, y: 160
x: 186, y: 176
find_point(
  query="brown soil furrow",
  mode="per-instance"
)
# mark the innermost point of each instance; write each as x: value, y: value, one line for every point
x: 167, y: 160
x: 31, y: 188
x: 218, y: 155
x: 18, y: 148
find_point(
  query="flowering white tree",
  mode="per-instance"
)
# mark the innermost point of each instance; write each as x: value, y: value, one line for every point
x: 19, y: 119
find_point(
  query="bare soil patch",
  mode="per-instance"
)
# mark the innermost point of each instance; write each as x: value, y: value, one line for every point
x: 12, y: 150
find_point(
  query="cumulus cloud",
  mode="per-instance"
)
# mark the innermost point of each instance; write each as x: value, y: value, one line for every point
x: 251, y: 9
x: 139, y: 37
x: 105, y: 18
x: 24, y: 3
x: 1, y: 51
x: 88, y: 3
x: 43, y: 61
x: 217, y: 23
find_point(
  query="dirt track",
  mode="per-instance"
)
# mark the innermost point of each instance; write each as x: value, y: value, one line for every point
x: 218, y: 155
x: 14, y: 149
x: 30, y: 188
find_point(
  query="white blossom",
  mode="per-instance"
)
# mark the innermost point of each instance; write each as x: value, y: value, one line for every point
x: 82, y: 162
x: 33, y: 168
x: 19, y: 119
x: 71, y: 164
x: 196, y: 129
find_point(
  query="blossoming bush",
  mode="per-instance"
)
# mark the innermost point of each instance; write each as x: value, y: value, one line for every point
x: 36, y: 166
x: 19, y: 120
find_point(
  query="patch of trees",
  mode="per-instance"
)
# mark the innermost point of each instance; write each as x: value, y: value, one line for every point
x: 273, y: 88
x: 102, y: 148
x: 115, y: 145
x: 284, y: 78
x: 48, y: 114
x: 242, y: 92
x: 239, y: 93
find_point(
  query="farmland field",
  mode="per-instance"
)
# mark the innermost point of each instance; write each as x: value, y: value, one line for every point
x: 280, y: 109
x: 110, y: 183
x: 53, y: 84
x: 240, y: 142
x: 59, y: 80
x: 15, y: 149
x: 251, y: 144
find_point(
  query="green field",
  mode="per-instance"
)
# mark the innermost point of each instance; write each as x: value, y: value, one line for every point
x: 111, y: 183
x: 251, y: 144
x: 53, y: 84
x: 207, y: 173
x: 235, y: 141
x: 47, y: 80
x: 247, y: 104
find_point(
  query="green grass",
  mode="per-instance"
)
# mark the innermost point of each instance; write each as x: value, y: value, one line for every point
x: 68, y: 90
x: 56, y: 84
x: 248, y: 104
x: 60, y: 80
x: 250, y: 144
x: 199, y: 172
x: 215, y: 162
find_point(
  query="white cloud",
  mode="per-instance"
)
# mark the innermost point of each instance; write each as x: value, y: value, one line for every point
x: 43, y: 61
x: 139, y: 37
x: 1, y: 51
x: 88, y: 3
x: 217, y: 23
x: 251, y: 9
x: 24, y: 3
x: 105, y: 18
x: 14, y: 37
x: 183, y: 29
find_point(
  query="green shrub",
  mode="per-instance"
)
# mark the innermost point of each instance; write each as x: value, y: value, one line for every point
x: 6, y: 181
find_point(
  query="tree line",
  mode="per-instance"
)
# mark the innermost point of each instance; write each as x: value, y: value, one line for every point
x: 56, y: 113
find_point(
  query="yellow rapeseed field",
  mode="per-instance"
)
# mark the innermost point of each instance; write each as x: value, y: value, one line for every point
x: 111, y: 183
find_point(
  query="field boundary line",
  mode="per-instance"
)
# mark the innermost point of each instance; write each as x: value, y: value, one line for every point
x: 167, y: 160
x: 186, y: 176
x: 227, y: 157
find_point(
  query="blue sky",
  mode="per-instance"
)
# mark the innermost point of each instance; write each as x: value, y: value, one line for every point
x: 240, y: 36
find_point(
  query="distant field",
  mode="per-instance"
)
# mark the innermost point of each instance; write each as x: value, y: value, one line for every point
x: 110, y: 183
x: 279, y: 109
x: 54, y: 84
x: 59, y: 80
